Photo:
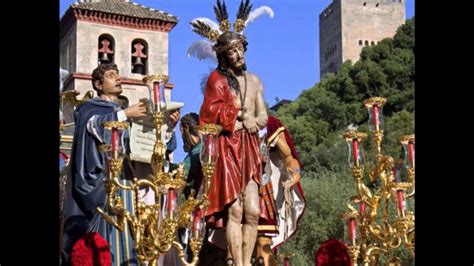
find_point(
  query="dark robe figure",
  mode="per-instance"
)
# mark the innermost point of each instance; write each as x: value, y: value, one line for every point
x: 85, y: 189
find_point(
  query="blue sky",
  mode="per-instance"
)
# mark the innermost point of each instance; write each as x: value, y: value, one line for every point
x: 283, y: 51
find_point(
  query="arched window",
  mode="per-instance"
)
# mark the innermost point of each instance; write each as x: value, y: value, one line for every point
x: 377, y: 5
x: 360, y: 42
x: 106, y: 49
x: 139, y: 57
x: 365, y: 3
x: 372, y: 43
x: 366, y: 42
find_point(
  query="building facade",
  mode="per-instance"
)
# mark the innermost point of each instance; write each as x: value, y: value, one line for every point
x: 346, y: 26
x: 132, y: 36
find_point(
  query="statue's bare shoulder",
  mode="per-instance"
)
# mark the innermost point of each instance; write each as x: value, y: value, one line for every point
x: 255, y: 80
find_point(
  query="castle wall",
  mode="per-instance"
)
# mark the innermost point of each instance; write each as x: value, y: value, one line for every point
x: 330, y: 53
x: 368, y: 23
x: 353, y: 24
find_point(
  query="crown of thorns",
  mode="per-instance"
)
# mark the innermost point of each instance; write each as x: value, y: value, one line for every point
x: 222, y: 16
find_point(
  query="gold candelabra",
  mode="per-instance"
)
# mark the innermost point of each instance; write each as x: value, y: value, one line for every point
x: 371, y: 231
x: 71, y: 98
x: 153, y: 235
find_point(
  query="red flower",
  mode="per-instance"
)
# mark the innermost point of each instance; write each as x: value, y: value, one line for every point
x: 91, y: 249
x: 332, y: 252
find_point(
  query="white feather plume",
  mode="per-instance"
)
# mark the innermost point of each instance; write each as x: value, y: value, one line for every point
x: 201, y: 50
x: 259, y: 12
x: 62, y: 77
x: 211, y: 23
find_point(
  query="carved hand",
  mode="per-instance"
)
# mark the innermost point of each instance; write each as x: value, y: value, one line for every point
x: 136, y: 111
x: 249, y: 123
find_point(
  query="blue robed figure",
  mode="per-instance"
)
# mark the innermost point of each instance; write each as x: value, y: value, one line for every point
x: 85, y: 190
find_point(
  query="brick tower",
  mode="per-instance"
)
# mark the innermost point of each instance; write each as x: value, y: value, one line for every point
x: 346, y: 26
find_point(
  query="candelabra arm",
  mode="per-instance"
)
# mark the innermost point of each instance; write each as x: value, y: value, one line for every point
x: 378, y: 137
x: 374, y: 204
x: 166, y: 235
x: 157, y: 118
x: 114, y: 204
x: 353, y: 253
x: 163, y: 247
x: 148, y: 183
x: 194, y: 250
x: 109, y: 219
x: 153, y: 262
x: 384, y: 164
x: 406, y: 231
x: 203, y: 203
x: 376, y: 231
x: 370, y: 255
x: 362, y: 189
x: 208, y: 170
x: 183, y: 214
x: 409, y: 240
x: 116, y: 182
x: 364, y: 192
x: 411, y: 174
x: 395, y: 242
x: 385, y: 206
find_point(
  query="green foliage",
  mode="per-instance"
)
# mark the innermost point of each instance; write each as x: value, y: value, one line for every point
x: 405, y: 36
x: 400, y: 124
x: 331, y: 154
x: 324, y: 193
x: 323, y: 112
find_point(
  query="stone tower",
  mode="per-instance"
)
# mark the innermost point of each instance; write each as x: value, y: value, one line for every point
x: 346, y: 26
x: 132, y: 36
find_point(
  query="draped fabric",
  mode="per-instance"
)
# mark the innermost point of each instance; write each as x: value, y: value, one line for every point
x: 239, y: 158
x: 85, y: 188
x: 285, y: 223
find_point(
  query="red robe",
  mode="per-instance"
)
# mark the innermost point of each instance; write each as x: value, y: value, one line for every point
x: 239, y: 156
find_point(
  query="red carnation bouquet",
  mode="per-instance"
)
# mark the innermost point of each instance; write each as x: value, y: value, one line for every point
x: 91, y: 249
x: 332, y: 252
